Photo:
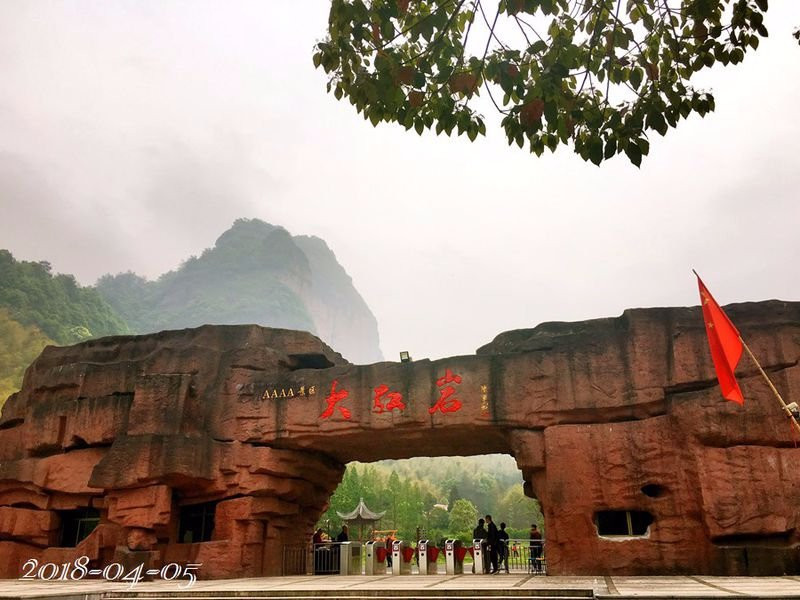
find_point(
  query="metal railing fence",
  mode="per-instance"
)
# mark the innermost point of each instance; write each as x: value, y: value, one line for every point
x: 523, y: 555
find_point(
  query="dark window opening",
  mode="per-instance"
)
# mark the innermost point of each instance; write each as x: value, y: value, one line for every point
x: 623, y: 522
x: 76, y: 525
x: 77, y: 442
x: 653, y: 490
x: 309, y: 361
x: 196, y: 523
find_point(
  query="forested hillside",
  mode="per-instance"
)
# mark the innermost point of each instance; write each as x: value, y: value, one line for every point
x: 415, y: 492
x: 19, y: 345
x: 38, y: 308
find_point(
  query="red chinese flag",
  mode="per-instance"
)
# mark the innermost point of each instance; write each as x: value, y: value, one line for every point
x: 725, y: 344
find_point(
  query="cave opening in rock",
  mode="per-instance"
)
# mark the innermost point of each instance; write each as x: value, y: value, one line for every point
x: 196, y: 522
x: 653, y: 490
x: 76, y: 525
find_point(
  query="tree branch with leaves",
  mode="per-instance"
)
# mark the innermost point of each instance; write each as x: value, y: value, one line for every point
x: 597, y: 75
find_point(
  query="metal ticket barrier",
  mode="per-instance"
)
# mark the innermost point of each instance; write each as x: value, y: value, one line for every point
x: 326, y: 559
x: 376, y: 558
x: 478, y: 550
x: 428, y: 553
x: 402, y: 554
x: 454, y: 553
x: 350, y: 558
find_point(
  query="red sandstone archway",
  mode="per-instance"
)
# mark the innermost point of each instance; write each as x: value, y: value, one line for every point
x: 609, y: 415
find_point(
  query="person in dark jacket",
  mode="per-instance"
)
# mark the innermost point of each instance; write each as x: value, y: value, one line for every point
x: 317, y: 537
x: 479, y: 533
x: 343, y: 535
x: 502, y: 546
x: 492, y: 540
x: 389, y: 547
x: 536, y: 549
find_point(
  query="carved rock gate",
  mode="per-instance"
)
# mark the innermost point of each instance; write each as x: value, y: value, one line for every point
x: 605, y: 418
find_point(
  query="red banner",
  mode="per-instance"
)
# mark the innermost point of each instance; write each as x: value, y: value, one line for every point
x: 725, y: 344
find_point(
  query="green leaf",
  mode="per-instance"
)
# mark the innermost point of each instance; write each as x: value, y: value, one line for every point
x: 634, y: 154
x: 596, y: 150
x: 374, y: 115
x: 636, y: 77
x: 537, y: 47
x: 611, y: 148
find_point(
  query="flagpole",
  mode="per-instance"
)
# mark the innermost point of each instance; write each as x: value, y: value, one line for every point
x: 771, y: 386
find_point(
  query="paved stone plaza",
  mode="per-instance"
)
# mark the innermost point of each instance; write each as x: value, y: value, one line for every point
x: 414, y: 586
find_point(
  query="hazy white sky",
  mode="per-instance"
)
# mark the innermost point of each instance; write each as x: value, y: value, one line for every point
x: 132, y: 133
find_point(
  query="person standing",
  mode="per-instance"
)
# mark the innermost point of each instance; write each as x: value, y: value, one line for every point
x: 317, y: 537
x: 502, y: 546
x: 319, y: 552
x: 492, y: 540
x: 343, y: 535
x: 479, y: 533
x: 389, y: 548
x: 536, y: 548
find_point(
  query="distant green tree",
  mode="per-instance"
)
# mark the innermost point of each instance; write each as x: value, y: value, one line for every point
x: 452, y: 496
x: 438, y: 519
x: 518, y: 511
x: 463, y: 519
x: 393, y: 490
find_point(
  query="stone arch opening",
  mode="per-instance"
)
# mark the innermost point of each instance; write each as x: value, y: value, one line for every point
x: 417, y: 496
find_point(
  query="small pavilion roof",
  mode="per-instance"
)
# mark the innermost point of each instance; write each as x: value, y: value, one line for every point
x: 361, y: 513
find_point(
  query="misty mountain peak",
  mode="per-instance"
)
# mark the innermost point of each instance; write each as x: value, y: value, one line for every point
x: 247, y: 231
x: 255, y: 273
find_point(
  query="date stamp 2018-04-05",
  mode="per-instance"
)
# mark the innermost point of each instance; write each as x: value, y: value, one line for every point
x: 79, y: 569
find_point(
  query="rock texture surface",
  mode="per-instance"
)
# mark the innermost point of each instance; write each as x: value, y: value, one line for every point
x: 619, y: 414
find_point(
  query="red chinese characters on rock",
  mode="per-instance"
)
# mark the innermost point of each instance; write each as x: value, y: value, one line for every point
x: 446, y: 402
x: 333, y: 399
x: 395, y: 400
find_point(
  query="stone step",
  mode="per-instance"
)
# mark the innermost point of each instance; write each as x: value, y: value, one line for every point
x: 383, y: 594
x: 683, y: 596
x: 366, y: 595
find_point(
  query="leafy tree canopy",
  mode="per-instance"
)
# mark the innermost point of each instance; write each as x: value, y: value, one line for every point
x: 413, y: 493
x: 63, y: 310
x: 463, y: 518
x: 38, y: 308
x: 599, y: 75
